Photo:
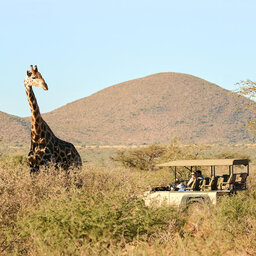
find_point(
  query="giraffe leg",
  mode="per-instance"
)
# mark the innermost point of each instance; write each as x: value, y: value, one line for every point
x: 34, y: 170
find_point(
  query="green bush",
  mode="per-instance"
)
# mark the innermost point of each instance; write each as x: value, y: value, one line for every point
x: 14, y: 160
x: 68, y: 224
x: 145, y: 158
x: 49, y: 214
x: 237, y: 211
x: 142, y: 158
x: 230, y: 155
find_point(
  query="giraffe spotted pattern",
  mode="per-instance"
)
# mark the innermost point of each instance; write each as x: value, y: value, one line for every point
x: 46, y: 148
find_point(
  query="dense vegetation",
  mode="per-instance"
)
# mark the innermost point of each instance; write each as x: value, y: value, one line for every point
x: 248, y: 89
x: 98, y: 211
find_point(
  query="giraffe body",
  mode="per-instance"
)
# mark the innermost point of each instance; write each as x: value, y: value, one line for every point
x: 46, y: 148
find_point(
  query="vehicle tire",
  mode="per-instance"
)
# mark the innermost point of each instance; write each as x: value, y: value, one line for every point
x: 193, y: 203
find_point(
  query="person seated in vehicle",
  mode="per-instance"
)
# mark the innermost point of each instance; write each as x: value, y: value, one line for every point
x: 197, y: 175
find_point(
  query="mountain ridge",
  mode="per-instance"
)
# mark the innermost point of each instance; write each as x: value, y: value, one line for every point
x: 152, y: 109
x: 144, y: 106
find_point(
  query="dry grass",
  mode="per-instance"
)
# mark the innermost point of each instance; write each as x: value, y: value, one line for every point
x: 96, y: 212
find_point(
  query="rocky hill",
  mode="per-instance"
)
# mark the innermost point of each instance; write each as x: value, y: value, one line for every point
x: 146, y: 110
x: 14, y: 130
x: 153, y: 109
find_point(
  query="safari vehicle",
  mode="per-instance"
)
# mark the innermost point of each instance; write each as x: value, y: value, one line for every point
x: 227, y: 176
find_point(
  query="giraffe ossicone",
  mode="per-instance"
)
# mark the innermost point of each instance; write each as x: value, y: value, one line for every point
x: 46, y: 148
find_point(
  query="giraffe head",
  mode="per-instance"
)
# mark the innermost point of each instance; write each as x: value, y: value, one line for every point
x: 34, y: 78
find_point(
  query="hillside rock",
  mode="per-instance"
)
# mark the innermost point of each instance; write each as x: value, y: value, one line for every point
x: 154, y: 109
x: 14, y: 130
x: 147, y: 110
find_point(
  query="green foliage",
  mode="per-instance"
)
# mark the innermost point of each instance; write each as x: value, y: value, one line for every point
x: 175, y: 150
x: 230, y: 155
x: 238, y: 214
x: 142, y: 158
x: 145, y: 158
x: 15, y: 160
x: 248, y: 89
x: 238, y: 206
x: 48, y: 214
x: 85, y: 219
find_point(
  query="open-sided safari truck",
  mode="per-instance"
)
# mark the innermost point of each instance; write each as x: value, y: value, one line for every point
x: 225, y: 176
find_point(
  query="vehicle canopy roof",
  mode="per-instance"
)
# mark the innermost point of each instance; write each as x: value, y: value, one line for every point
x: 205, y: 162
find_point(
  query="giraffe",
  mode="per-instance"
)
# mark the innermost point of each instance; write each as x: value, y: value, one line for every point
x: 45, y: 147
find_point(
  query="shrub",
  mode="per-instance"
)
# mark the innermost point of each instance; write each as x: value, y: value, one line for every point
x: 68, y: 224
x: 49, y: 215
x: 142, y: 158
x: 237, y: 211
x: 14, y: 160
x: 230, y: 155
x: 145, y: 158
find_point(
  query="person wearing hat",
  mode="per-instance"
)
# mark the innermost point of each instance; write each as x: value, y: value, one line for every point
x: 195, y: 175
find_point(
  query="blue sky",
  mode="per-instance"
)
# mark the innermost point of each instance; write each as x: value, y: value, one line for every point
x: 81, y: 47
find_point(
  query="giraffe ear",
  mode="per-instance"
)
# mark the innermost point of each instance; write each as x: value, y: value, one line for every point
x: 29, y: 73
x: 36, y: 70
x: 32, y: 70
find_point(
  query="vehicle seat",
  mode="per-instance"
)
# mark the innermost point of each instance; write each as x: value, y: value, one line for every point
x: 225, y: 177
x: 212, y: 185
x: 240, y: 182
x: 205, y: 183
x: 226, y: 184
x: 243, y: 177
x: 220, y: 183
x: 196, y: 185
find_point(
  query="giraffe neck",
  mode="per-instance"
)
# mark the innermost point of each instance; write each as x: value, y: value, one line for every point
x: 36, y: 119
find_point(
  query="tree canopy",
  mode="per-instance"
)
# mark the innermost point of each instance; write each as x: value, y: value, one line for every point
x: 247, y: 88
